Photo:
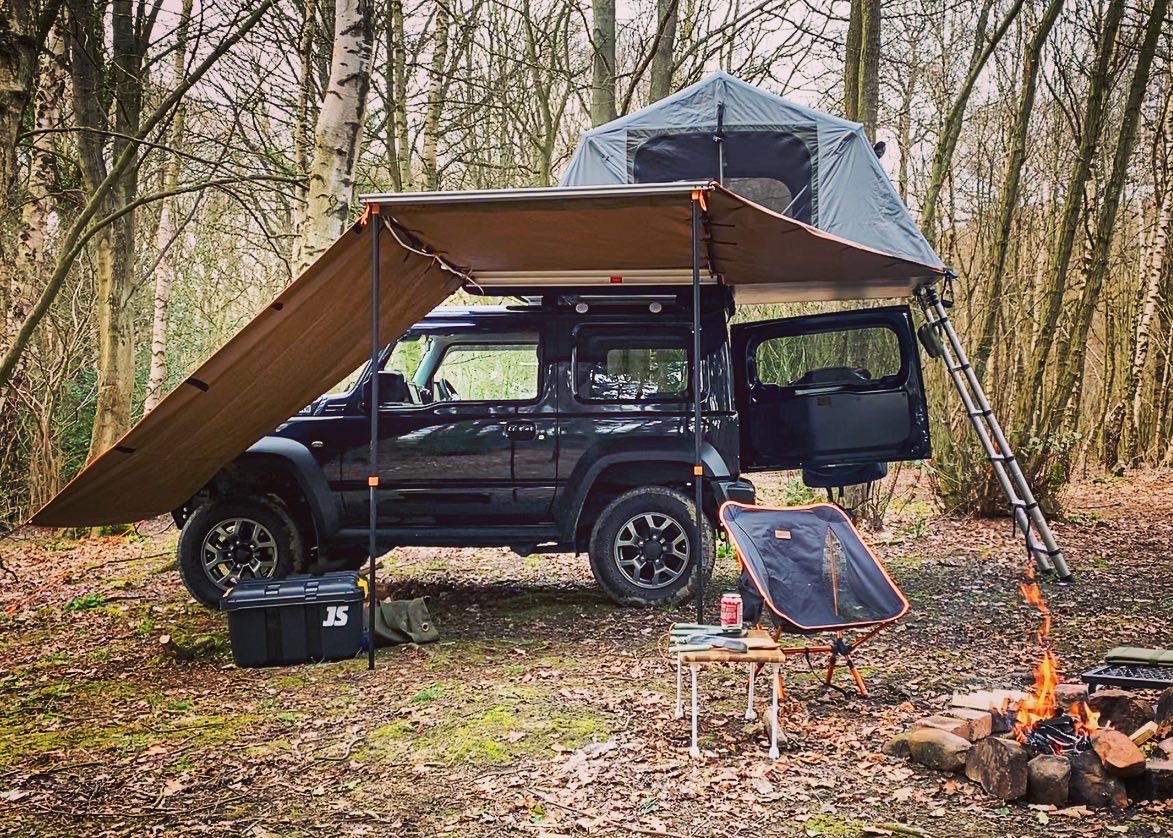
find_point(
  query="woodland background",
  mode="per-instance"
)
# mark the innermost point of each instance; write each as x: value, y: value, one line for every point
x: 168, y: 165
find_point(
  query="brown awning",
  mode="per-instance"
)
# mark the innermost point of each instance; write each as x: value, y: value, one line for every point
x: 315, y: 331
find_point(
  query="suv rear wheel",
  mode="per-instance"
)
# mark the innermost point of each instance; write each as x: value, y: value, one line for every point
x: 644, y: 546
x: 228, y: 540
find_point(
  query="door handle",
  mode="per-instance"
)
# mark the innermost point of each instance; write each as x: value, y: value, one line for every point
x: 520, y: 430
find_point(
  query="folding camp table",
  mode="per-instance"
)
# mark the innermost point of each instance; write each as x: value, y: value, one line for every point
x: 764, y: 651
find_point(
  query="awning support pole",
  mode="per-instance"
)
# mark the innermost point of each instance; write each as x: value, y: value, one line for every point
x: 698, y: 469
x: 375, y: 225
x: 1028, y: 517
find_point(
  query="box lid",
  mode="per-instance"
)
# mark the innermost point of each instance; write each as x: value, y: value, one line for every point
x: 293, y: 590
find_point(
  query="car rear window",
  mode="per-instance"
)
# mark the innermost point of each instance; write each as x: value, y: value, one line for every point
x: 621, y: 365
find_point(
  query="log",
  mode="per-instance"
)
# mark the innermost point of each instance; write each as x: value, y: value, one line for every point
x: 1048, y: 780
x: 938, y: 749
x: 999, y: 766
x: 1144, y: 733
x: 981, y: 722
x: 1092, y: 785
x: 1118, y: 753
x: 1121, y: 709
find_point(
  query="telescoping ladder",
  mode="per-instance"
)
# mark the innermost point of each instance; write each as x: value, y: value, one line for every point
x: 1028, y: 517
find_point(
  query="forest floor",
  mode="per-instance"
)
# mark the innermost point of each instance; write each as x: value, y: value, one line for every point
x: 544, y: 710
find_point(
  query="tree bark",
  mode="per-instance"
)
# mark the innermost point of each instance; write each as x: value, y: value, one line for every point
x: 955, y: 119
x: 663, y: 59
x: 869, y: 66
x: 167, y: 231
x: 1099, y: 88
x: 851, y: 62
x: 338, y: 134
x: 435, y: 105
x: 603, y: 66
x: 1031, y: 61
x: 302, y: 120
x: 1071, y: 364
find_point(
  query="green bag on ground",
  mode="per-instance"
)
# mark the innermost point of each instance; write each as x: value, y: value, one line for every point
x: 1139, y: 656
x: 404, y: 621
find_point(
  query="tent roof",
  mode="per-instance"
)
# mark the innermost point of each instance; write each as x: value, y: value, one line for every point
x: 833, y: 177
x: 306, y: 340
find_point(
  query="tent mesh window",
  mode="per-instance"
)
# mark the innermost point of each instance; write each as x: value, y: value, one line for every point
x: 773, y: 168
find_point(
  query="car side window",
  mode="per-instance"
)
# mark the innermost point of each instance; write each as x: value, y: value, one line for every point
x: 620, y: 364
x: 472, y: 370
x: 855, y: 356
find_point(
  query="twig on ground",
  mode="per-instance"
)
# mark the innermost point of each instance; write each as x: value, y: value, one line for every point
x: 582, y: 813
x: 902, y: 829
x: 345, y: 754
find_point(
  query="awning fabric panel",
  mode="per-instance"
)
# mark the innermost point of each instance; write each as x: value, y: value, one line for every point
x: 311, y: 336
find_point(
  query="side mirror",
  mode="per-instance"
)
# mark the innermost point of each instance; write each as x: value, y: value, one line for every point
x: 392, y: 390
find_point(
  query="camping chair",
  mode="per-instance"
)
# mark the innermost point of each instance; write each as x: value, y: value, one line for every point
x: 810, y: 567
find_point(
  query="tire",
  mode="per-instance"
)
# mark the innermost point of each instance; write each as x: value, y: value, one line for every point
x: 628, y: 571
x: 270, y: 548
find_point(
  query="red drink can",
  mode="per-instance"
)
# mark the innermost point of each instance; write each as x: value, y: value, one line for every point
x: 731, y: 610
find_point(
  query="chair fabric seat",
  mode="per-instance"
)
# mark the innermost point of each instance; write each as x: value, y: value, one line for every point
x: 811, y: 568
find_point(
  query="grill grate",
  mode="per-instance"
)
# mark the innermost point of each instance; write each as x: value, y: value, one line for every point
x: 1127, y: 675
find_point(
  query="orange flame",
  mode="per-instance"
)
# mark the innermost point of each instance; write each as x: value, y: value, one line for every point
x: 1040, y: 705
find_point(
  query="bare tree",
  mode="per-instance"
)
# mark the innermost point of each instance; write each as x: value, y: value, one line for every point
x: 339, y: 132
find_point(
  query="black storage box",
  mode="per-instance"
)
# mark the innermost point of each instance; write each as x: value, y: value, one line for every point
x: 273, y: 622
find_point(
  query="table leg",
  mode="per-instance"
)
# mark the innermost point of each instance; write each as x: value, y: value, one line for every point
x: 774, y: 716
x: 750, y: 715
x: 694, y: 751
x: 679, y: 689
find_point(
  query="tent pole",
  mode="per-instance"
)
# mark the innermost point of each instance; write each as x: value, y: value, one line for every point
x: 698, y: 469
x: 719, y: 137
x: 375, y: 224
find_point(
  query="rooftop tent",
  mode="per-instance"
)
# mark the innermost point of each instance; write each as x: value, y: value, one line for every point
x: 315, y: 331
x: 798, y: 162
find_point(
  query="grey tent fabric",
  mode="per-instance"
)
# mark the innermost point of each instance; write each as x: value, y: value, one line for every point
x: 815, y: 168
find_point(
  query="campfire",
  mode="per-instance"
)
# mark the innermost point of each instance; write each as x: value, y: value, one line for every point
x: 1040, y: 723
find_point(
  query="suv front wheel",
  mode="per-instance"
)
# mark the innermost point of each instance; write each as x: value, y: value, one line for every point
x: 644, y: 547
x: 228, y: 540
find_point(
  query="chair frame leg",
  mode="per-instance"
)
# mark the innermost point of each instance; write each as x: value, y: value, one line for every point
x: 750, y: 713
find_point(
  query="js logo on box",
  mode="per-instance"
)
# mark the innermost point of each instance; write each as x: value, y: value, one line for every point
x: 335, y: 615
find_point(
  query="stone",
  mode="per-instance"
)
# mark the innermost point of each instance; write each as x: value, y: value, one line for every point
x: 1118, y: 753
x: 1160, y: 774
x: 1121, y: 709
x: 999, y: 766
x: 1069, y: 694
x: 897, y: 746
x: 1092, y: 785
x: 939, y: 749
x: 1048, y: 780
x: 1165, y: 746
x: 981, y: 722
x: 956, y: 726
x: 1164, y: 712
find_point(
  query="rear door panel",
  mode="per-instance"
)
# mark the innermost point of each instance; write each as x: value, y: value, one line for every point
x: 828, y: 389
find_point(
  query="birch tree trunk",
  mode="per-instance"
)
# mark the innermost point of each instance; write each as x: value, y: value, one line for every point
x: 338, y: 134
x: 663, y: 59
x: 397, y: 50
x: 1150, y: 298
x: 167, y: 231
x: 436, y: 76
x: 302, y: 131
x: 603, y: 66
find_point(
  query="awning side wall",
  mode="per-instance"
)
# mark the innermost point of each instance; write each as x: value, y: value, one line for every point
x: 311, y: 336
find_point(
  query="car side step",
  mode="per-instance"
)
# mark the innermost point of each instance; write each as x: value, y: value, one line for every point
x: 487, y: 536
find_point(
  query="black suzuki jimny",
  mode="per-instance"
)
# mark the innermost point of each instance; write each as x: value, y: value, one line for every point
x: 563, y: 424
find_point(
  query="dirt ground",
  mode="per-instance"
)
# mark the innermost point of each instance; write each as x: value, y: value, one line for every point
x: 544, y: 710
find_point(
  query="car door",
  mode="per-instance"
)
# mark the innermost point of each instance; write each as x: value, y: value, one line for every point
x: 841, y: 388
x: 472, y: 438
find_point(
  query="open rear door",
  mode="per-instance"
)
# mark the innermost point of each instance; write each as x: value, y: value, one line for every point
x: 830, y: 389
